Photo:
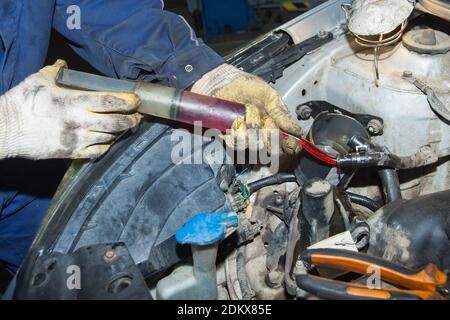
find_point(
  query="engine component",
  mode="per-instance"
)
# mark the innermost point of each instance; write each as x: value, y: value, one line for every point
x: 246, y: 231
x: 226, y: 176
x: 246, y: 289
x: 391, y: 185
x: 331, y: 132
x: 427, y: 41
x: 388, y: 176
x: 276, y: 252
x: 363, y: 201
x: 315, y: 108
x: 413, y: 232
x: 383, y: 159
x: 249, y: 267
x: 318, y: 208
x: 376, y: 24
x: 342, y: 74
x: 314, y: 218
x: 360, y: 232
x: 297, y: 242
x: 377, y: 18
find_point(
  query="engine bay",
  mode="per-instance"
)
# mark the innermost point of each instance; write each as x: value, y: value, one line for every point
x: 337, y: 92
x: 371, y: 186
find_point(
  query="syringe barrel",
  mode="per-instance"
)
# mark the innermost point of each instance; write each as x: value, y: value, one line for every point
x: 162, y: 101
x: 188, y: 107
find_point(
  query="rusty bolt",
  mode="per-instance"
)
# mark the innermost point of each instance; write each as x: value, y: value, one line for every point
x: 374, y: 127
x: 278, y: 200
x: 322, y: 34
x: 407, y: 74
x: 304, y: 112
x: 110, y: 255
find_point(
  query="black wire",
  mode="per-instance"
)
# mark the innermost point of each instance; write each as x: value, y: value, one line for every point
x: 278, y: 178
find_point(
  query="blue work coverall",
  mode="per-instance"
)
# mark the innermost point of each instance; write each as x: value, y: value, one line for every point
x: 130, y: 39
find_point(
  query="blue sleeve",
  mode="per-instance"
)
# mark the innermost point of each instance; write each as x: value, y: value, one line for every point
x: 137, y: 40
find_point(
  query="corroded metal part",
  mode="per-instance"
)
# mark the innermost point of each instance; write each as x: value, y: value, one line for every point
x: 372, y: 17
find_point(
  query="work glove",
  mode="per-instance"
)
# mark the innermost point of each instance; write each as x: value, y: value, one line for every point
x: 39, y: 120
x: 264, y: 107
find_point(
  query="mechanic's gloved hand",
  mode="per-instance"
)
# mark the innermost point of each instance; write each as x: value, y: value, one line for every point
x: 264, y: 107
x: 39, y: 120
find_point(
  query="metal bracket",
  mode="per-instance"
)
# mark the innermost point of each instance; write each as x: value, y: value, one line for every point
x: 373, y: 124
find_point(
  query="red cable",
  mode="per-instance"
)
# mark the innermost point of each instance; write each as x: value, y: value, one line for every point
x: 312, y: 150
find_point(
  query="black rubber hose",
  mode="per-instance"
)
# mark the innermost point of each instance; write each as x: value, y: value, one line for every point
x: 390, y: 183
x: 363, y: 201
x: 278, y: 178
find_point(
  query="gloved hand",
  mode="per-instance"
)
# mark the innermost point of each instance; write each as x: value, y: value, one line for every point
x: 39, y: 120
x: 264, y: 107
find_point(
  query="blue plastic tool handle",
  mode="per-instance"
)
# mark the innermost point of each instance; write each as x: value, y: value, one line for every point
x: 206, y: 228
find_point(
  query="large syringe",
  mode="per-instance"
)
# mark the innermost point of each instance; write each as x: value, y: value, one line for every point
x: 175, y: 104
x: 161, y: 101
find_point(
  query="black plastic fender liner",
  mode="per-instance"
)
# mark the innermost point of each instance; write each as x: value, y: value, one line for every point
x: 134, y: 194
x: 70, y: 276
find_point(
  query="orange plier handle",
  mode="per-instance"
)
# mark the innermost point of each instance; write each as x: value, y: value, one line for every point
x: 428, y: 283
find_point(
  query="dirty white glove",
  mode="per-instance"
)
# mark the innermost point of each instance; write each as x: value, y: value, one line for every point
x: 372, y: 17
x: 39, y: 120
x: 264, y: 106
